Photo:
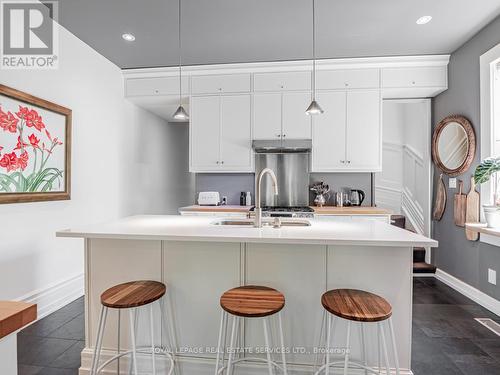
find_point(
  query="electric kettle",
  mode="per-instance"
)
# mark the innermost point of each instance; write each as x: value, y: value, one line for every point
x: 357, y: 197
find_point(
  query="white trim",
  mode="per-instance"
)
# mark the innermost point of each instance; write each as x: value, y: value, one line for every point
x: 469, y: 291
x: 202, y: 366
x: 56, y: 295
x: 294, y: 65
x: 490, y: 239
x: 487, y: 75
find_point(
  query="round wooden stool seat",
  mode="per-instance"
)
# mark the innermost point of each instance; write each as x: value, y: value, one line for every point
x: 357, y: 305
x: 252, y: 301
x: 133, y: 294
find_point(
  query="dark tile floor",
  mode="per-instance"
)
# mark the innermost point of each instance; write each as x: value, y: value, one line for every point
x: 446, y: 338
x: 52, y: 345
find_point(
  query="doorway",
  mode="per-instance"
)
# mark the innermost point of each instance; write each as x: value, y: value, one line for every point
x: 405, y: 184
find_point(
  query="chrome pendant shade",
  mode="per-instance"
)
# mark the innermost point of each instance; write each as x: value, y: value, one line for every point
x: 314, y: 108
x: 180, y: 114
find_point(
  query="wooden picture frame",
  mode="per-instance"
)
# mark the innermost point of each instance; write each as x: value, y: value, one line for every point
x: 471, y: 145
x: 29, y: 171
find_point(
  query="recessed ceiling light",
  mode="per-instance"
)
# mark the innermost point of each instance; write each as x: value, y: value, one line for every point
x: 128, y: 37
x: 423, y: 20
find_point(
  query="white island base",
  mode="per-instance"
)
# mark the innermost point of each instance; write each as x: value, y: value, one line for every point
x: 199, y: 261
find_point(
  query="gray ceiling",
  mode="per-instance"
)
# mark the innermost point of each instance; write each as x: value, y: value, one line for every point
x: 225, y: 31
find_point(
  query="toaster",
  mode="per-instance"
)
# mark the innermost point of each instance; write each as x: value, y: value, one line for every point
x: 208, y: 198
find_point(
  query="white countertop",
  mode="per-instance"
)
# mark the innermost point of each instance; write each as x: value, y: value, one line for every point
x: 195, y: 228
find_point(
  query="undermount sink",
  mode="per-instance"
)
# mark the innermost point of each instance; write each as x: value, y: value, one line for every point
x: 266, y: 223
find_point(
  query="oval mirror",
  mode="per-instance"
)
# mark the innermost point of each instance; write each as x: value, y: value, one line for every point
x: 453, y: 145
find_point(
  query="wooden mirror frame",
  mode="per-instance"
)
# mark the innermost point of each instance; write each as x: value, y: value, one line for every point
x: 471, y: 144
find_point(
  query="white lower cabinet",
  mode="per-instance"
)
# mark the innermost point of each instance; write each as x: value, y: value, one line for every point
x: 347, y: 136
x: 220, y: 134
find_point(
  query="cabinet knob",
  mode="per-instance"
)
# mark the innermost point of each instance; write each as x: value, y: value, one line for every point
x: 346, y: 84
x: 342, y: 161
x: 348, y: 162
x: 217, y: 162
x: 413, y: 82
x: 222, y: 162
x: 284, y: 135
x: 278, y: 135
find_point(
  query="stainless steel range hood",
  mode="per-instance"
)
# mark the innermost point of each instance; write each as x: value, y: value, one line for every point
x: 282, y: 146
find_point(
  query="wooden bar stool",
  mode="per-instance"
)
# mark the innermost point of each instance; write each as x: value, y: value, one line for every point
x: 364, y: 308
x: 132, y: 296
x: 249, y: 302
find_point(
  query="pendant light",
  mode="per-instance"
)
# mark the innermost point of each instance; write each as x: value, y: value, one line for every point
x: 314, y: 108
x: 180, y: 114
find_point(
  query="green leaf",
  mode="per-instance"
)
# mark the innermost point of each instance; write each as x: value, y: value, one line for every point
x: 9, y: 180
x: 484, y: 170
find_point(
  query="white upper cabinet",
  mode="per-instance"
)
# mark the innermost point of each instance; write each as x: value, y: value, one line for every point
x: 296, y: 123
x: 329, y: 132
x: 288, y: 81
x: 204, y: 133
x: 220, y: 134
x: 155, y: 86
x: 347, y: 136
x: 281, y: 115
x: 224, y: 83
x: 348, y: 79
x: 414, y: 77
x: 364, y: 131
x: 235, y: 145
x: 267, y: 116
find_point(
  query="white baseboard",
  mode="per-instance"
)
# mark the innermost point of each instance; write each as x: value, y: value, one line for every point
x: 56, y: 295
x: 469, y: 291
x: 200, y: 366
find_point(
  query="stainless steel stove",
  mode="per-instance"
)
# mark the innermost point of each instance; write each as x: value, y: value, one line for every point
x: 283, y: 211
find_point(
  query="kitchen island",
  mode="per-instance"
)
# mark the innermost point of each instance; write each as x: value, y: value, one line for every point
x: 199, y: 260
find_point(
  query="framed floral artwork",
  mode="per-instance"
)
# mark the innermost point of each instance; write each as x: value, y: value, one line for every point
x: 35, y: 148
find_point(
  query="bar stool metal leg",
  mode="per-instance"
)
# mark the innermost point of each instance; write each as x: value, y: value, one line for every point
x: 384, y: 347
x: 168, y: 328
x: 363, y: 345
x: 219, y: 342
x: 132, y: 315
x: 118, y: 350
x: 394, y: 347
x: 231, y: 345
x: 282, y: 343
x: 153, y: 349
x: 347, y: 347
x: 328, y: 333
x: 268, y: 348
x: 100, y: 333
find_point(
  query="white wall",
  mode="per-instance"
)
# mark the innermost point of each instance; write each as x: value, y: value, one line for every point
x: 125, y: 161
x: 401, y: 186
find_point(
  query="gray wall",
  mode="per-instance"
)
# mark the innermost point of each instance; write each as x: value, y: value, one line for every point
x: 231, y: 185
x: 468, y: 261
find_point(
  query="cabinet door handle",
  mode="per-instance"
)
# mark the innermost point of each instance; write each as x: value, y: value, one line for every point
x: 342, y: 161
x: 222, y: 162
x: 278, y: 135
x: 217, y: 162
x: 284, y: 135
x: 348, y: 162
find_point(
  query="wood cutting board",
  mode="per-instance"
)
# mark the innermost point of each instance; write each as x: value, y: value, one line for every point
x: 440, y: 200
x: 472, y: 210
x: 460, y: 206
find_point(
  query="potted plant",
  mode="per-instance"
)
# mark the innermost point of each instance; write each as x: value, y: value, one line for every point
x: 489, y: 167
x: 322, y: 192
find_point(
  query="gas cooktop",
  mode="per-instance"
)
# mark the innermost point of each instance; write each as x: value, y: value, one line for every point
x: 287, y: 211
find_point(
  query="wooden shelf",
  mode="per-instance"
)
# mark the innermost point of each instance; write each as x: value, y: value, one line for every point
x: 482, y: 228
x: 15, y: 315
